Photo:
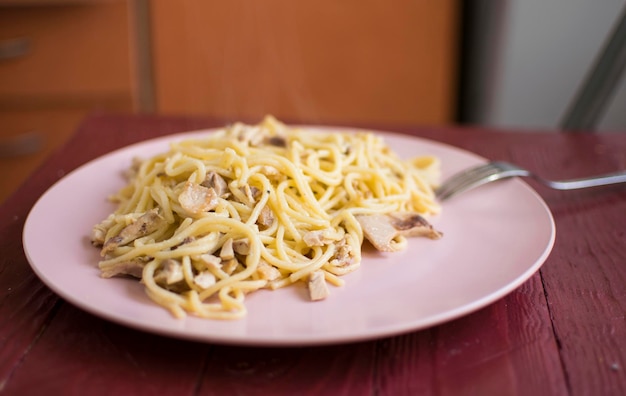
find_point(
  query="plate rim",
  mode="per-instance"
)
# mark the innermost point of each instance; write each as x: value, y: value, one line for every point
x: 245, y: 340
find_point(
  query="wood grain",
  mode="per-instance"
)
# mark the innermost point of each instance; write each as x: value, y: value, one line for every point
x: 587, y: 289
x: 584, y: 277
x: 337, y: 370
x: 561, y: 333
x: 95, y: 352
x: 497, y: 350
x: 27, y: 307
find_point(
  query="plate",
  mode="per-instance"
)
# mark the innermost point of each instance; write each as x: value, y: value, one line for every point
x: 495, y: 238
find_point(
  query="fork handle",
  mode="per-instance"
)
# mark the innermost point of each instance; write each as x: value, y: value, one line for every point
x: 594, y: 181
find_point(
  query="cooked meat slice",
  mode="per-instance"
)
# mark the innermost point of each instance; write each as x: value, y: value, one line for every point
x: 343, y: 261
x: 270, y: 171
x: 242, y: 246
x: 212, y: 263
x: 381, y: 229
x: 132, y: 268
x: 144, y: 225
x: 99, y: 231
x: 171, y: 272
x: 204, y: 279
x: 278, y: 141
x: 314, y: 238
x: 412, y: 224
x: 197, y: 199
x: 318, y: 290
x: 251, y: 194
x: 266, y: 218
x: 217, y: 183
x: 229, y: 266
x: 267, y: 271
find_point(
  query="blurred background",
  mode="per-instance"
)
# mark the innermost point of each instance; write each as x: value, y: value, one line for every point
x: 512, y: 64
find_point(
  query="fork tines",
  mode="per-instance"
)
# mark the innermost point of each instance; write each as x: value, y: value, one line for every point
x: 468, y: 179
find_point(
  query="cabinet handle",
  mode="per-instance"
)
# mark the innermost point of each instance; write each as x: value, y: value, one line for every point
x: 24, y: 144
x: 14, y: 48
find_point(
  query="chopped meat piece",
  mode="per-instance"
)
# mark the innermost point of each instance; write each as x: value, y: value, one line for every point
x: 251, y: 194
x: 217, y: 183
x: 144, y: 225
x: 99, y: 231
x: 229, y: 266
x: 212, y: 262
x: 267, y: 271
x: 344, y: 256
x: 270, y: 171
x: 382, y: 229
x: 227, y: 252
x: 278, y: 141
x: 227, y: 255
x: 171, y: 272
x: 197, y: 199
x: 318, y: 290
x: 412, y: 224
x: 242, y: 246
x: 317, y: 238
x: 132, y: 268
x: 204, y: 279
x: 266, y: 218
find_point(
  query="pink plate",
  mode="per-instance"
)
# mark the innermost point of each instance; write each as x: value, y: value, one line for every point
x: 495, y: 238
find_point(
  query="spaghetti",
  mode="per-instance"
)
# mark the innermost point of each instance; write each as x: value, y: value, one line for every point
x: 250, y: 207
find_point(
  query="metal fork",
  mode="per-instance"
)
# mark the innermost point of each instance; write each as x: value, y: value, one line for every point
x: 492, y: 171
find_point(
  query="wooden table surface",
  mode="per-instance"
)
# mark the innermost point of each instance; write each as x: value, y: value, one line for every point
x: 563, y: 332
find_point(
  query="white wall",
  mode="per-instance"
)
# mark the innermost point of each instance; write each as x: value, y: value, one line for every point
x: 542, y: 53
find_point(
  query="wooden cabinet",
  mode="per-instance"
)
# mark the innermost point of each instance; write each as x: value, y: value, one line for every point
x: 332, y: 62
x: 349, y: 61
x: 59, y: 60
x: 74, y: 54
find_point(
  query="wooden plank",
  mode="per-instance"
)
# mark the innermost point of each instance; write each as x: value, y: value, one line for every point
x: 332, y: 370
x: 520, y: 345
x: 587, y: 288
x: 27, y: 307
x: 507, y: 348
x: 81, y: 354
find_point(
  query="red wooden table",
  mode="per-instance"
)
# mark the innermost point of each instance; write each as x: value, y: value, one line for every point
x: 562, y: 332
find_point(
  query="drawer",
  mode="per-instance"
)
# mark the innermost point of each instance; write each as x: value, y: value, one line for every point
x: 65, y: 50
x: 40, y: 133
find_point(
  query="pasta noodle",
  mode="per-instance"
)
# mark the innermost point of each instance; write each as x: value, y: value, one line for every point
x: 264, y: 206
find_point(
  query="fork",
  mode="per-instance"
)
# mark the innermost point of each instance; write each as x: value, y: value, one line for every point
x: 492, y: 171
